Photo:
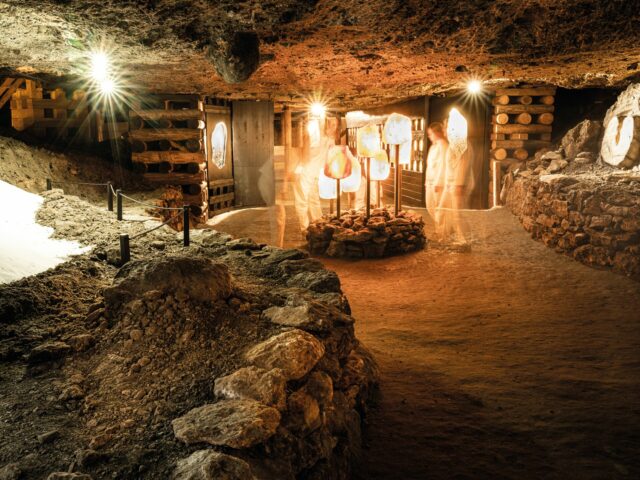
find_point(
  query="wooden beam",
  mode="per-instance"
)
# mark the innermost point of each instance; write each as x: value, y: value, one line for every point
x: 510, y: 144
x: 11, y: 85
x: 168, y: 156
x: 151, y: 134
x: 515, y: 128
x: 533, y: 109
x: 166, y: 114
x: 534, y: 92
x: 174, y: 178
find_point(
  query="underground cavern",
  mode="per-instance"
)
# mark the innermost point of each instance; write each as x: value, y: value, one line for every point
x: 319, y: 239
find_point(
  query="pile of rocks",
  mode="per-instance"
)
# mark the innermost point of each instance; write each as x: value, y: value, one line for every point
x: 354, y: 236
x: 248, y: 352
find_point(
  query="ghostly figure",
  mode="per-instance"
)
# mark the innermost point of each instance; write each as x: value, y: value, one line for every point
x: 435, y: 174
x: 306, y: 194
x: 459, y: 181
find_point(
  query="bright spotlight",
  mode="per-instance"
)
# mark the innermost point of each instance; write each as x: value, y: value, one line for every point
x: 99, y: 66
x: 318, y: 109
x: 474, y: 86
x: 107, y: 86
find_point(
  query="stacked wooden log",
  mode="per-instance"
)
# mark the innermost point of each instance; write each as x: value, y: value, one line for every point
x: 166, y: 147
x: 521, y: 124
x: 50, y: 114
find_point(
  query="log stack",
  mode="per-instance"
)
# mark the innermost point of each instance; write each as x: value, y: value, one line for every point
x: 521, y: 124
x: 167, y: 148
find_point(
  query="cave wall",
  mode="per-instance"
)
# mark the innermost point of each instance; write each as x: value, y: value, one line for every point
x: 595, y: 222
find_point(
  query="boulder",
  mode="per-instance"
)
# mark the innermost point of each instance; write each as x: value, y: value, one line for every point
x: 557, y: 165
x: 253, y: 383
x: 621, y: 141
x: 198, y: 278
x: 583, y: 137
x: 303, y: 412
x: 11, y: 471
x: 295, y: 352
x: 234, y: 423
x: 321, y: 281
x: 212, y: 465
x: 48, y: 351
x: 307, y: 315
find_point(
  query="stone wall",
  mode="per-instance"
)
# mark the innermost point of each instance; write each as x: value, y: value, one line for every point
x: 354, y: 236
x: 593, y: 218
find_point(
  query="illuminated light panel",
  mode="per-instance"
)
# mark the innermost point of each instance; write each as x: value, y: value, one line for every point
x: 474, y: 86
x: 99, y: 66
x: 317, y: 109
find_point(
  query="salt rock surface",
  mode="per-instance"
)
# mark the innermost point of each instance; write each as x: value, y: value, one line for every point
x: 198, y: 277
x: 234, y: 423
x: 253, y: 383
x: 212, y: 465
x: 295, y: 352
x: 25, y: 246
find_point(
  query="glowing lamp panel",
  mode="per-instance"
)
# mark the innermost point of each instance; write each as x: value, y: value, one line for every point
x: 219, y: 144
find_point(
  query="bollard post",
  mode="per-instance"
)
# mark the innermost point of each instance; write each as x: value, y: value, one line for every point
x: 109, y: 197
x: 185, y: 225
x: 48, y: 184
x: 119, y: 204
x: 125, y: 252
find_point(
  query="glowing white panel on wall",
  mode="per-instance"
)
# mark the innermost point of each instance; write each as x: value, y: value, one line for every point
x: 313, y: 129
x: 219, y: 144
x: 457, y: 133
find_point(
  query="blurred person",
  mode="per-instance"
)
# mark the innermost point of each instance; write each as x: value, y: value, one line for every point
x: 459, y: 184
x: 320, y: 137
x: 436, y: 172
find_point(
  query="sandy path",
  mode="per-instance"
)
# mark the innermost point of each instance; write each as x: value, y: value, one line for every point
x: 509, y: 361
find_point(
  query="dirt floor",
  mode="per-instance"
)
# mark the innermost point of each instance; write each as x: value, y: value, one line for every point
x: 505, y: 361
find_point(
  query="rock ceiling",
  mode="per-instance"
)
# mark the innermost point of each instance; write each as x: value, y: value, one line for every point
x: 351, y: 52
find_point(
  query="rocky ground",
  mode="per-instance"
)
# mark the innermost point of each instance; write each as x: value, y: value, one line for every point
x: 139, y: 372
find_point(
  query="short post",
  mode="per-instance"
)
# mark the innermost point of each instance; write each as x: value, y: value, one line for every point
x: 185, y: 225
x: 497, y: 182
x: 125, y: 252
x: 110, y: 196
x: 338, y: 198
x: 379, y: 193
x: 398, y: 182
x: 119, y: 204
x: 48, y: 184
x: 368, y: 190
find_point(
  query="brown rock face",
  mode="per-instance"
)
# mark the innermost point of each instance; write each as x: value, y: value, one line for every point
x: 234, y: 423
x: 212, y: 465
x: 199, y: 278
x: 356, y: 53
x: 295, y: 352
x: 253, y: 383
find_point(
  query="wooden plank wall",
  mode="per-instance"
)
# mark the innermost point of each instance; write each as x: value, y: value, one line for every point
x: 253, y: 137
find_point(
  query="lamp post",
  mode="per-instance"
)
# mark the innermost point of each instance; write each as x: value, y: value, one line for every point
x: 338, y: 166
x: 368, y: 144
x: 397, y: 131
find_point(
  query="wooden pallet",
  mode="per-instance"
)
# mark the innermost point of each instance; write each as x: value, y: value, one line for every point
x: 221, y: 196
x: 50, y: 114
x: 167, y: 148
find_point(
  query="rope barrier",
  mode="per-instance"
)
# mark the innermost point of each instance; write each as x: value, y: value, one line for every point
x: 142, y: 234
x: 125, y: 251
x: 78, y: 183
x: 148, y: 205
